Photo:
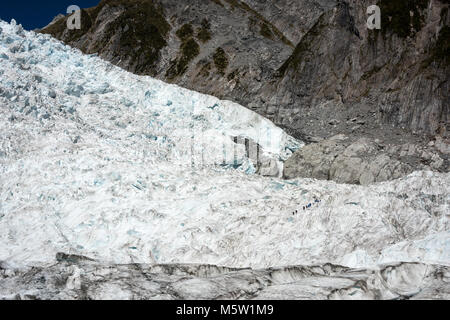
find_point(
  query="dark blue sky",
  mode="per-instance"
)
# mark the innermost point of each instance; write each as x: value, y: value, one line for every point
x: 37, y: 14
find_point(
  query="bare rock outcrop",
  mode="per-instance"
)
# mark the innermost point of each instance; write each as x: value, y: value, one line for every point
x: 401, y: 72
x: 362, y: 162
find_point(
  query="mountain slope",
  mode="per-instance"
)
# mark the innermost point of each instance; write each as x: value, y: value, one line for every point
x: 387, y: 88
x: 396, y: 74
x: 215, y: 47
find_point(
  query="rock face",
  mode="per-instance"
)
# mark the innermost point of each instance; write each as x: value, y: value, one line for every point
x: 310, y: 66
x: 293, y: 18
x: 398, y: 72
x: 362, y: 162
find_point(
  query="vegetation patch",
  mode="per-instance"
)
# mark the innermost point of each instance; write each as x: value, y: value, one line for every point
x: 142, y: 27
x: 403, y: 18
x: 233, y: 75
x: 233, y: 3
x: 189, y: 50
x: 204, y: 32
x: 245, y: 7
x: 220, y: 60
x: 441, y: 50
x: 185, y: 32
x: 367, y: 75
x: 266, y: 31
x: 218, y: 2
x: 303, y: 49
x: 146, y: 30
x: 205, y: 68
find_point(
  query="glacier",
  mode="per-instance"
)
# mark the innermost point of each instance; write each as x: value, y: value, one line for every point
x: 136, y: 173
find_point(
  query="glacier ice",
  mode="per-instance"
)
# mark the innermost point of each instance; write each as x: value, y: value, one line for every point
x: 96, y: 161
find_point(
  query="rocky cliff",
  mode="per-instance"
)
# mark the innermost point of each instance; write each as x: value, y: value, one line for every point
x: 399, y: 74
